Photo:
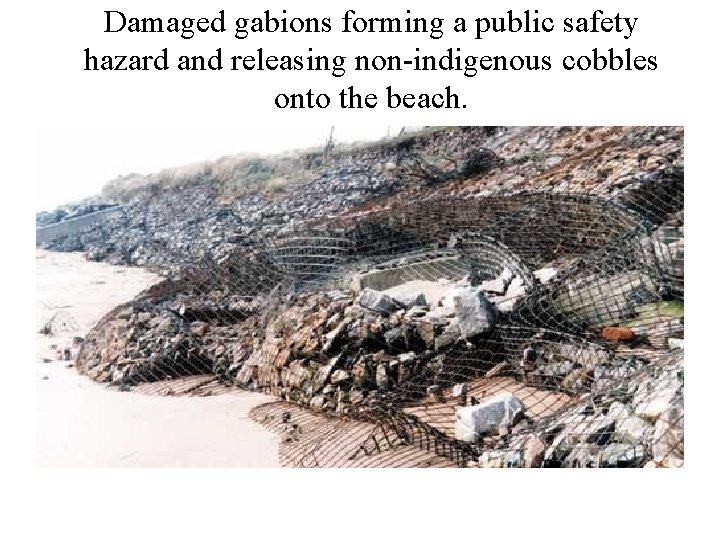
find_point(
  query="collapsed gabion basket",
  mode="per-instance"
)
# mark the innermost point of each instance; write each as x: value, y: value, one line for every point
x: 535, y: 328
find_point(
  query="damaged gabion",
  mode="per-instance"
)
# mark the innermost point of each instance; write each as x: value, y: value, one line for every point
x: 522, y: 309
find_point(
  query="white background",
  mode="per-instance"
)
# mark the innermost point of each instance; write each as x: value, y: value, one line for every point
x: 49, y: 93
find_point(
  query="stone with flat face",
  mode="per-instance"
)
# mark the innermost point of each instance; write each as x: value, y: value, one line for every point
x: 377, y: 301
x: 487, y: 417
x: 475, y: 314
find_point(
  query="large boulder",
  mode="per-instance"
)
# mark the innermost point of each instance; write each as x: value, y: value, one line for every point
x: 487, y: 417
x: 475, y: 314
x: 377, y: 301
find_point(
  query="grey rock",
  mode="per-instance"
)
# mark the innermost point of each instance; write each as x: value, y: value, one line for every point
x: 622, y: 455
x: 475, y: 314
x: 409, y: 299
x: 487, y: 417
x: 448, y: 336
x: 395, y: 338
x: 377, y: 301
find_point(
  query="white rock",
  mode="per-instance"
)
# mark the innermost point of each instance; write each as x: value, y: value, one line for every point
x: 676, y: 343
x: 630, y: 428
x: 668, y: 442
x: 545, y: 275
x: 505, y: 304
x: 655, y: 397
x: 516, y: 288
x: 459, y: 389
x: 475, y: 314
x: 445, y: 311
x: 496, y: 286
x: 433, y: 317
x: 417, y: 311
x: 498, y: 411
x: 506, y: 275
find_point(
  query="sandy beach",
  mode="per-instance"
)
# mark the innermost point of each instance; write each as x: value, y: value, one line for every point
x: 81, y: 423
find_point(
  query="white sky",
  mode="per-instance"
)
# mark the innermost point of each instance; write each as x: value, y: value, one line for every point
x: 75, y: 161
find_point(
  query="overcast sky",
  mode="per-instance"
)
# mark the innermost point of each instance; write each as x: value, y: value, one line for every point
x: 76, y: 161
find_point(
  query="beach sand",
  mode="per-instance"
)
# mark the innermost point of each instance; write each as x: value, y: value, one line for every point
x: 81, y: 423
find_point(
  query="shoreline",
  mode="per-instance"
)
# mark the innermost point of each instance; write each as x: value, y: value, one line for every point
x: 80, y: 423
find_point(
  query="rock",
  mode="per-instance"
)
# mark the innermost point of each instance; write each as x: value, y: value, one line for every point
x: 505, y: 304
x: 410, y: 299
x: 574, y: 381
x: 581, y: 429
x: 493, y: 286
x: 338, y: 294
x: 435, y: 391
x: 322, y: 374
x: 668, y: 440
x: 356, y: 395
x: 317, y: 402
x: 426, y: 331
x: 506, y: 275
x: 487, y: 417
x: 417, y: 312
x: 676, y: 343
x: 655, y: 397
x: 557, y: 369
x: 395, y: 339
x: 475, y: 314
x: 500, y: 459
x: 516, y: 288
x: 381, y: 378
x: 534, y: 451
x: 582, y: 455
x: 459, y: 390
x: 498, y: 369
x: 617, y: 333
x: 433, y: 318
x: 448, y: 336
x: 377, y: 301
x: 629, y: 429
x: 199, y: 328
x: 406, y: 357
x: 622, y: 455
x: 545, y: 275
x: 339, y: 376
x: 331, y: 338
x: 529, y: 359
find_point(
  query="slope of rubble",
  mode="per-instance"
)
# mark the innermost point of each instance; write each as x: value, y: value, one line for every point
x: 494, y: 297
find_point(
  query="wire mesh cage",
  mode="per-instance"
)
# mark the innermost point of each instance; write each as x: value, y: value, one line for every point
x: 537, y: 327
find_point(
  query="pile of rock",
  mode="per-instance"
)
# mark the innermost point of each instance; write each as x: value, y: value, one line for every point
x: 637, y: 422
x: 170, y: 228
x: 338, y: 349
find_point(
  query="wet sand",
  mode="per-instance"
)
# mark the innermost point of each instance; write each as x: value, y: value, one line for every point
x: 81, y: 423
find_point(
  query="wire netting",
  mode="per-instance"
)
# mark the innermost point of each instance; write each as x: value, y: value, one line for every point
x: 537, y: 327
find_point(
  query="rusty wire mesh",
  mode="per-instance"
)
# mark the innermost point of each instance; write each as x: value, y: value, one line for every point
x: 378, y: 328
